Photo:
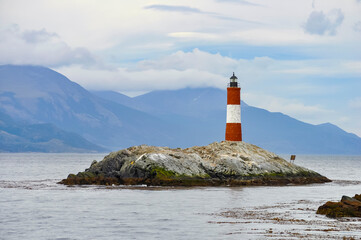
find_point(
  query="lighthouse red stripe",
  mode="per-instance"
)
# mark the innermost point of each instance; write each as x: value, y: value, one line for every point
x: 233, y: 132
x: 233, y: 96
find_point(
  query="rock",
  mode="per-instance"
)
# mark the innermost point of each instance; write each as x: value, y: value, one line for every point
x: 219, y: 163
x: 357, y: 197
x: 94, y: 162
x: 351, y: 201
x: 347, y: 207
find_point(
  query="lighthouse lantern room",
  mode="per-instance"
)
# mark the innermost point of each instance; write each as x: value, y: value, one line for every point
x: 233, y: 126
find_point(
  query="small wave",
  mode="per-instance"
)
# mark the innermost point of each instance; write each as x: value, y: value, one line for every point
x: 30, y: 184
x: 346, y: 182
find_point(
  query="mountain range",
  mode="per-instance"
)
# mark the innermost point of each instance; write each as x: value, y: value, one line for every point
x: 43, y: 137
x: 36, y: 100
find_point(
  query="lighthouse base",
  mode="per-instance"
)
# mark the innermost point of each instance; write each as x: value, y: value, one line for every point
x: 233, y: 132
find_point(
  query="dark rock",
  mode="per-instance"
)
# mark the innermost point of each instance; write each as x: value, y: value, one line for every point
x: 357, y: 197
x: 347, y: 207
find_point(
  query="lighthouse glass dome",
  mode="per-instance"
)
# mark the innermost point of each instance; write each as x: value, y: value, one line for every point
x: 233, y: 81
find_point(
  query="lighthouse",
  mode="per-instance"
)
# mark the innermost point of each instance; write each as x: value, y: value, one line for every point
x: 233, y: 126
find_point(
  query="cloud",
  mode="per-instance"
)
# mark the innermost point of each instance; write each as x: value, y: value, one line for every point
x: 38, y: 36
x: 267, y: 37
x: 256, y: 68
x: 123, y: 80
x: 177, y: 70
x: 355, y: 103
x: 352, y: 66
x: 194, y: 35
x: 186, y: 9
x: 195, y: 59
x: 320, y: 23
x: 252, y: 37
x: 39, y: 47
x: 291, y: 107
x: 357, y: 26
x: 242, y: 2
x: 198, y: 68
x: 170, y: 8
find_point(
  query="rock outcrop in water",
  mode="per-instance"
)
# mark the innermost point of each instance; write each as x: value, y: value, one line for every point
x: 347, y: 207
x: 219, y: 163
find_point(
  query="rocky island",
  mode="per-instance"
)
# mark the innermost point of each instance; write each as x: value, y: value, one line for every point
x: 217, y: 164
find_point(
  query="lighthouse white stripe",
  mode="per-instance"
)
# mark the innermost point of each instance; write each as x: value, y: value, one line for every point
x: 233, y: 113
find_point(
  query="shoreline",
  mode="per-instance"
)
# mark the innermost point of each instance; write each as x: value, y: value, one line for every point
x: 75, y: 180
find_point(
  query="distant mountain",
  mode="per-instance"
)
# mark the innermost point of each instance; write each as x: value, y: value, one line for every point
x: 205, y: 112
x: 181, y: 118
x: 15, y: 137
x: 191, y: 102
x: 32, y: 95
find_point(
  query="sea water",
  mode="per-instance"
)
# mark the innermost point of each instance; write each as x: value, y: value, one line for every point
x: 34, y: 206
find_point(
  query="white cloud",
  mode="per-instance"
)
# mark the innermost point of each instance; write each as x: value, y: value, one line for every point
x: 357, y: 26
x: 172, y: 8
x: 355, y: 103
x: 38, y: 36
x: 122, y: 80
x: 352, y: 66
x: 203, y: 69
x: 39, y: 47
x: 196, y: 59
x: 194, y: 35
x: 242, y: 2
x: 118, y: 26
x: 320, y: 23
x: 256, y: 36
x: 257, y: 68
x: 191, y: 10
x: 274, y: 37
x: 178, y: 70
x: 291, y: 107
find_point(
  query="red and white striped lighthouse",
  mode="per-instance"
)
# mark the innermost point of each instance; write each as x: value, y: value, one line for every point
x: 233, y: 126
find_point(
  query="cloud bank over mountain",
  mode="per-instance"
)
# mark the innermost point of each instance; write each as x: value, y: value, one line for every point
x: 37, y: 104
x: 302, y: 56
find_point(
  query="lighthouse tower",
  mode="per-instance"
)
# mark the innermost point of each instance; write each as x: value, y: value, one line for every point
x: 233, y: 126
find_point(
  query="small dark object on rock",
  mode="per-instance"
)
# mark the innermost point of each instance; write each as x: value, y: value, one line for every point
x: 347, y: 207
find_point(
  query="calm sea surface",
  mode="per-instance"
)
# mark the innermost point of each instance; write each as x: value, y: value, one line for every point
x: 34, y: 206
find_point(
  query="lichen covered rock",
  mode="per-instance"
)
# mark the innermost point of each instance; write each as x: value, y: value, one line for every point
x: 219, y: 163
x: 347, y: 207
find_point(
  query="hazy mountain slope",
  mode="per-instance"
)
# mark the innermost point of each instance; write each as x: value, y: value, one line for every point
x: 202, y: 113
x: 284, y: 134
x: 177, y: 118
x: 192, y: 102
x: 39, y: 95
x: 116, y: 97
x: 15, y: 137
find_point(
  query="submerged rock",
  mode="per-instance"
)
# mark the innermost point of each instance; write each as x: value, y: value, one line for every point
x: 219, y: 163
x: 347, y: 207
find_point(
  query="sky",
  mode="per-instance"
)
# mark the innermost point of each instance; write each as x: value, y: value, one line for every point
x: 298, y: 57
